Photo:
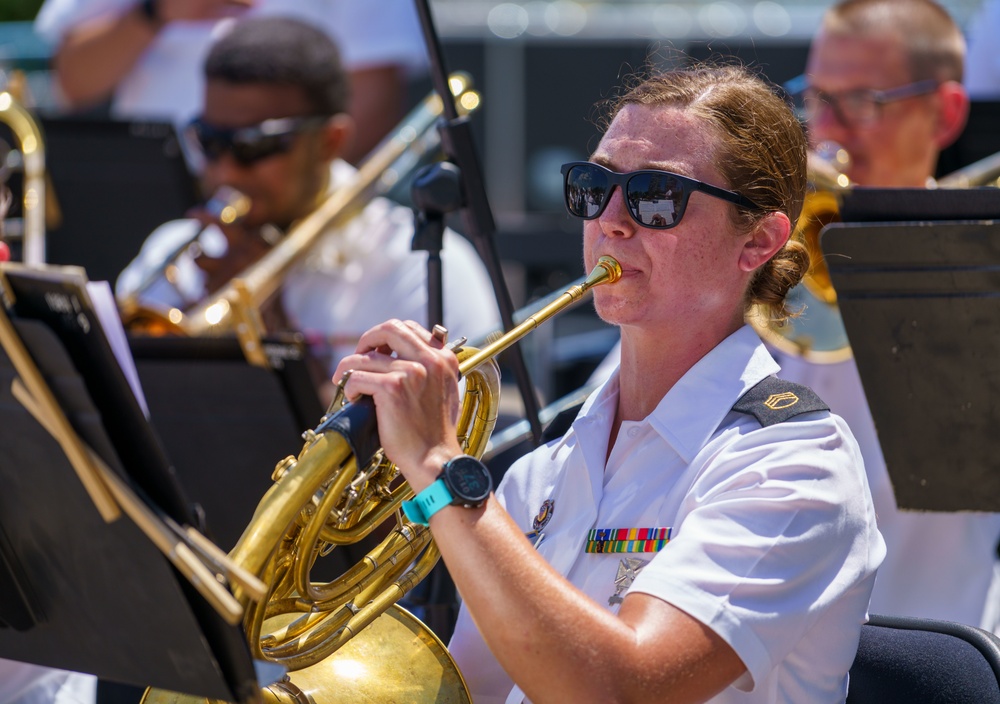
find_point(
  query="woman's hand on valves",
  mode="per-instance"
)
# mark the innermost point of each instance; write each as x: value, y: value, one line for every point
x: 413, y: 379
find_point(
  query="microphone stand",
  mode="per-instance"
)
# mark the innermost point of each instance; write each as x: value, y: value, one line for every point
x: 436, y: 190
x: 457, y: 141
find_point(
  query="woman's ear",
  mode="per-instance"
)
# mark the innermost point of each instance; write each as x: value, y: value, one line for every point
x: 337, y: 135
x: 768, y: 236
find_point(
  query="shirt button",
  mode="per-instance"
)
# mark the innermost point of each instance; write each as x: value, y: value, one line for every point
x: 632, y: 432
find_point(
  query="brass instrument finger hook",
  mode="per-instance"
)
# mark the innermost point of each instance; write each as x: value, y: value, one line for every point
x: 440, y: 333
x: 339, y: 396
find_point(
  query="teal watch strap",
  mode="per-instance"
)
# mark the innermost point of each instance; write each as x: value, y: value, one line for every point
x: 428, y: 502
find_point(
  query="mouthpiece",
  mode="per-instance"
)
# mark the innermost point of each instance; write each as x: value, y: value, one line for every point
x: 612, y: 267
x: 228, y: 205
x: 607, y: 271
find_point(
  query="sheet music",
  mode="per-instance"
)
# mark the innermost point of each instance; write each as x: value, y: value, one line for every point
x: 103, y: 300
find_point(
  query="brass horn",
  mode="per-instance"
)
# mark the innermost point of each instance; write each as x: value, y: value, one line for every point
x: 235, y: 306
x: 330, y: 635
x: 29, y: 157
x: 228, y: 206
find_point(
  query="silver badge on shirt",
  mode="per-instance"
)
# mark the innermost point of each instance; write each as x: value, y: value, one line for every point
x: 628, y: 569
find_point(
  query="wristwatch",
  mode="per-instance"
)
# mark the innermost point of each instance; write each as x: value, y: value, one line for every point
x: 464, y: 481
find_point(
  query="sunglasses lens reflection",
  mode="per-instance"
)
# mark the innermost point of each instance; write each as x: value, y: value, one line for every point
x: 249, y: 151
x: 586, y: 191
x: 654, y: 199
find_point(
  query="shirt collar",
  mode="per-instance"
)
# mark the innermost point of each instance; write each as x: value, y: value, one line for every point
x: 694, y: 408
x: 341, y: 175
x: 596, y: 411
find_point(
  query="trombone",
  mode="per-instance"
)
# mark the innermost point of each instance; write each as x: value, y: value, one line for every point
x: 32, y: 164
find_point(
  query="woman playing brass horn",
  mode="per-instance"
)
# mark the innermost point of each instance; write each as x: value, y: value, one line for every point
x: 704, y: 531
x: 273, y: 128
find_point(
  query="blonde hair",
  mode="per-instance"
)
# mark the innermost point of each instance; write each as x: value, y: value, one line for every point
x: 761, y: 153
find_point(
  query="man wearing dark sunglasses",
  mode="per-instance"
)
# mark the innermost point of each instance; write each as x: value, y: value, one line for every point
x: 884, y: 80
x: 273, y: 128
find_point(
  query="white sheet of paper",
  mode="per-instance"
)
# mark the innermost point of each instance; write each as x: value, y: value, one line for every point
x: 103, y: 299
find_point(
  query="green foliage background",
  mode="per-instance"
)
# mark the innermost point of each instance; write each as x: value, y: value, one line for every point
x: 19, y: 10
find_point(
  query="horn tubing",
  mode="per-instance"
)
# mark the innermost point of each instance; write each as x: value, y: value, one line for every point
x: 608, y: 270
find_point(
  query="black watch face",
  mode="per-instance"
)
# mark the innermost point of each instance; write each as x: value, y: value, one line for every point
x: 469, y: 480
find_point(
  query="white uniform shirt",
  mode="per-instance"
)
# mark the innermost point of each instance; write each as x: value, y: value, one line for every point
x: 22, y: 683
x: 939, y: 565
x: 358, y: 276
x: 167, y: 81
x: 982, y: 65
x: 793, y: 496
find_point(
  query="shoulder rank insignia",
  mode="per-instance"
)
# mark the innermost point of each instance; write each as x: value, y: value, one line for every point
x: 775, y: 400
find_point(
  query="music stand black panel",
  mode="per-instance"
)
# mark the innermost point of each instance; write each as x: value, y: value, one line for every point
x: 111, y: 605
x: 921, y: 305
x: 99, y: 596
x: 919, y: 204
x: 225, y: 423
x: 114, y: 182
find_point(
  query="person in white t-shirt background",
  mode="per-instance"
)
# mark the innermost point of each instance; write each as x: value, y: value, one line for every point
x: 273, y: 128
x: 147, y: 56
x: 939, y: 564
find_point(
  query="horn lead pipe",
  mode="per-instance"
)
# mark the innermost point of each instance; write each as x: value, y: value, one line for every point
x: 607, y: 271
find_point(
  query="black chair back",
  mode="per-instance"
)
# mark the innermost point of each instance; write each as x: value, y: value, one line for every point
x: 903, y: 660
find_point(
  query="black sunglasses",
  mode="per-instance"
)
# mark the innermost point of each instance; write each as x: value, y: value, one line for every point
x: 655, y: 199
x: 249, y: 145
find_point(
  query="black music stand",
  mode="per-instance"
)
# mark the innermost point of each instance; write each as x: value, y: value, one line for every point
x: 918, y: 285
x: 224, y: 422
x: 114, y: 182
x: 80, y: 588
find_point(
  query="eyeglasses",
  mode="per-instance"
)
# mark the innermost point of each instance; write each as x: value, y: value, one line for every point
x: 248, y: 145
x: 654, y: 199
x: 863, y: 107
